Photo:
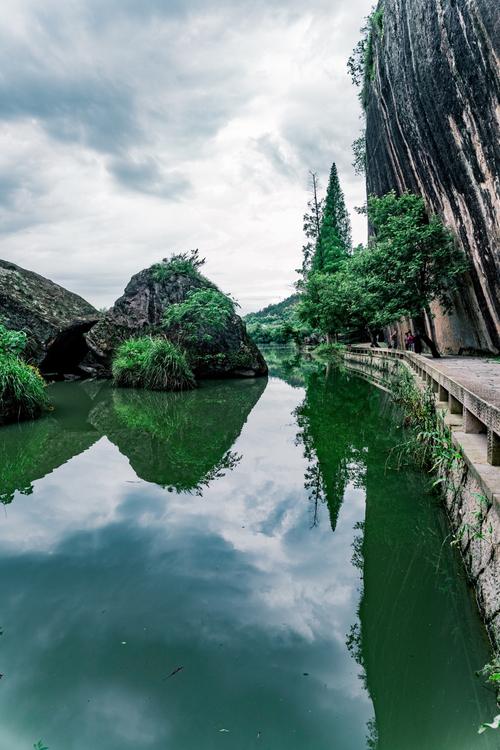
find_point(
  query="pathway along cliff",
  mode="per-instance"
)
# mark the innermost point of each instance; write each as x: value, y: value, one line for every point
x: 272, y: 585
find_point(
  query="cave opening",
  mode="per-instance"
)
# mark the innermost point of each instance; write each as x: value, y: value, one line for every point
x: 66, y: 351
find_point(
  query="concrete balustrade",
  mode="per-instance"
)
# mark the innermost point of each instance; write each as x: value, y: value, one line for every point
x: 463, y: 408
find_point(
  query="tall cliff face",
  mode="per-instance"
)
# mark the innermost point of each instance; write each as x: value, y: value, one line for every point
x: 433, y: 128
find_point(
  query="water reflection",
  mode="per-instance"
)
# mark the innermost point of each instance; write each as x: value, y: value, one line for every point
x: 181, y: 441
x: 31, y: 450
x: 178, y: 440
x: 111, y: 582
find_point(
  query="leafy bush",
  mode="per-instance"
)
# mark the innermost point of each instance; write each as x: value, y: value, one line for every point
x: 153, y: 363
x: 179, y: 264
x: 22, y: 390
x: 200, y: 318
x: 11, y: 342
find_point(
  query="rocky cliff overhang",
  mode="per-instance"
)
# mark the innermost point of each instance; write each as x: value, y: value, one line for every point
x: 54, y: 319
x: 433, y: 128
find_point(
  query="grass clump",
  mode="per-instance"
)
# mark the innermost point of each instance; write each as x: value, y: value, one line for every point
x: 152, y: 363
x: 22, y: 388
x: 430, y: 444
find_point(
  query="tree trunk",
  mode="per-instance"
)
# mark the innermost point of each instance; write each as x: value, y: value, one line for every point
x: 420, y: 329
x: 373, y: 338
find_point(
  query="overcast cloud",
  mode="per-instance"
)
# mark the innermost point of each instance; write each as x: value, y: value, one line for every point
x: 130, y: 129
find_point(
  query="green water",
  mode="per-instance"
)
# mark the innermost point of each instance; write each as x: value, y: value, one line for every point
x: 233, y: 567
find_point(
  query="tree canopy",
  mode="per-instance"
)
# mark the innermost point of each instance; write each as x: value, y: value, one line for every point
x: 410, y: 262
x: 334, y: 241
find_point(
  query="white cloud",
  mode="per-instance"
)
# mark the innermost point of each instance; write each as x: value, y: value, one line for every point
x: 125, y: 136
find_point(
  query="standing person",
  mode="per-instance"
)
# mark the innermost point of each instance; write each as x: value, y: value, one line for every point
x: 407, y: 340
x: 394, y: 340
x: 411, y: 341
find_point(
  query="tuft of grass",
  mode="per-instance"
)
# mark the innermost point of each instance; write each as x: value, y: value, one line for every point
x: 179, y: 264
x: 22, y: 390
x: 152, y: 363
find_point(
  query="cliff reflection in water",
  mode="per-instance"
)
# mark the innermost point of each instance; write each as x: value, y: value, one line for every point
x: 177, y: 440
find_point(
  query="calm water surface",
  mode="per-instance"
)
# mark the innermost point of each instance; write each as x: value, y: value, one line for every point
x: 234, y: 567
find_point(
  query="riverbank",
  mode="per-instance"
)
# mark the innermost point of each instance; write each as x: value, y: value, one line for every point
x: 467, y: 400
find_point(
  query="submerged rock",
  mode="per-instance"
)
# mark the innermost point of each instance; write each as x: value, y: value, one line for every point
x: 140, y: 311
x: 53, y: 318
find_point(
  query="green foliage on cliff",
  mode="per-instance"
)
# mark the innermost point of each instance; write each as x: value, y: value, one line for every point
x: 202, y: 316
x: 22, y: 388
x: 152, y: 363
x: 410, y: 262
x: 359, y: 154
x: 179, y: 264
x: 361, y: 63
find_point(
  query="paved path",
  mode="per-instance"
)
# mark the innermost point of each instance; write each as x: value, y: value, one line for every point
x: 479, y: 375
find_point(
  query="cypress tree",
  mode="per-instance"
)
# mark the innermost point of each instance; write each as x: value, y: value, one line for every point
x: 334, y: 241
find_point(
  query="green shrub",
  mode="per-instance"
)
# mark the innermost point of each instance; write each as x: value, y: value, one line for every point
x: 180, y: 264
x: 152, y: 363
x: 198, y: 320
x: 22, y: 390
x: 11, y: 342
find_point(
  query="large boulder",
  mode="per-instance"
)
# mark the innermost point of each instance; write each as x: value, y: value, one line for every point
x: 140, y: 311
x: 54, y: 319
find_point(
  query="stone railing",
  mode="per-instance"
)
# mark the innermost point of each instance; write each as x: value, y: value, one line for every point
x: 467, y: 410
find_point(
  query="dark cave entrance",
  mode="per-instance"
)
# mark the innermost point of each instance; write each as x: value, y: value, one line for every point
x: 67, y: 351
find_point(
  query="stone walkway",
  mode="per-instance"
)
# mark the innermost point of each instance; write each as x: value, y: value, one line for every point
x: 479, y: 375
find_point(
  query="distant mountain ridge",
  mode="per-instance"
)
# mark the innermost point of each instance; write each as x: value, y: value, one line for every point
x: 279, y: 311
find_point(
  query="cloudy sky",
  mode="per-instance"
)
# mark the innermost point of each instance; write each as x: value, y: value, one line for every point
x: 130, y: 129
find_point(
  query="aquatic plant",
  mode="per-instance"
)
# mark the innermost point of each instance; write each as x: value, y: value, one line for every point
x: 152, y: 363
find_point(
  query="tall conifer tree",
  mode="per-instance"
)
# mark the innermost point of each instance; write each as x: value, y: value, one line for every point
x: 334, y: 241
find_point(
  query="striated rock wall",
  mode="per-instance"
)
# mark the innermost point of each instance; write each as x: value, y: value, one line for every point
x: 433, y: 127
